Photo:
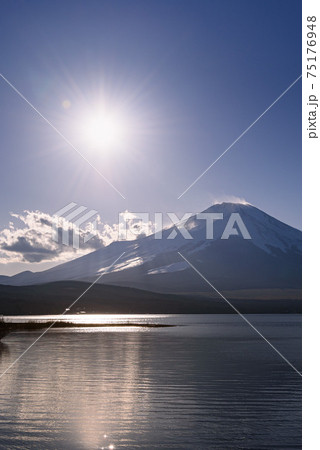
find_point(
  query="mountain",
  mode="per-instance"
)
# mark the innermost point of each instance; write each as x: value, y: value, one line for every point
x: 271, y: 259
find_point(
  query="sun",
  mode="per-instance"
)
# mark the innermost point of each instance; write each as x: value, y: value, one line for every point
x: 104, y: 129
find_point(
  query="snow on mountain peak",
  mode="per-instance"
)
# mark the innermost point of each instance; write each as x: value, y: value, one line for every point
x: 154, y: 257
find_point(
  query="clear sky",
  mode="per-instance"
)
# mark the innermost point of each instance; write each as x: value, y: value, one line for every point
x: 181, y: 80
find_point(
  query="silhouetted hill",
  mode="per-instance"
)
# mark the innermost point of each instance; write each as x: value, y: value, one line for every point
x: 54, y: 298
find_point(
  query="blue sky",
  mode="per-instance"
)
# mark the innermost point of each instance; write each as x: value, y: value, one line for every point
x: 188, y: 78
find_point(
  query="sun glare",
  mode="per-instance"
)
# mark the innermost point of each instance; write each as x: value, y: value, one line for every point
x: 104, y: 130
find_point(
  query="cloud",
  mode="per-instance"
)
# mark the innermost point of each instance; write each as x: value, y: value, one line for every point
x: 29, y: 238
x: 134, y: 225
x: 36, y: 236
x: 30, y: 252
x: 229, y: 199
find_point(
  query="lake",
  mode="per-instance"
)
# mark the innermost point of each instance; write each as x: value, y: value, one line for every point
x: 211, y: 382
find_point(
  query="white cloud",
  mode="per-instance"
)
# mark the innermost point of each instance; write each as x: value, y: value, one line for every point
x: 29, y: 238
x: 229, y: 199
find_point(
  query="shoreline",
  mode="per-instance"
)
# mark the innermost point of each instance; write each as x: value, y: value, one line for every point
x: 20, y: 326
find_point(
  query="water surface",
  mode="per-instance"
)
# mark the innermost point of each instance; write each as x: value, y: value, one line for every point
x: 209, y: 383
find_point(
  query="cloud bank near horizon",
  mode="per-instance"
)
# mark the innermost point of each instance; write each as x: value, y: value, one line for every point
x: 29, y: 238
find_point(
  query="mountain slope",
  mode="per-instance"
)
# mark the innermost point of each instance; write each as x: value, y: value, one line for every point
x: 271, y: 259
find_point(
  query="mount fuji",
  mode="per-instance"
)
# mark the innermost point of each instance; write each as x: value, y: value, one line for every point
x: 270, y: 259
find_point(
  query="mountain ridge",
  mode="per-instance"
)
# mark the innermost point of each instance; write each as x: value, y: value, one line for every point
x: 54, y: 298
x: 271, y: 259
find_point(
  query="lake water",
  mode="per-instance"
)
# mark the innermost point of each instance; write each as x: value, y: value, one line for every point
x: 209, y: 383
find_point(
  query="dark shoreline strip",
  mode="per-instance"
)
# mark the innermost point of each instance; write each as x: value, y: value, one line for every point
x: 10, y: 326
